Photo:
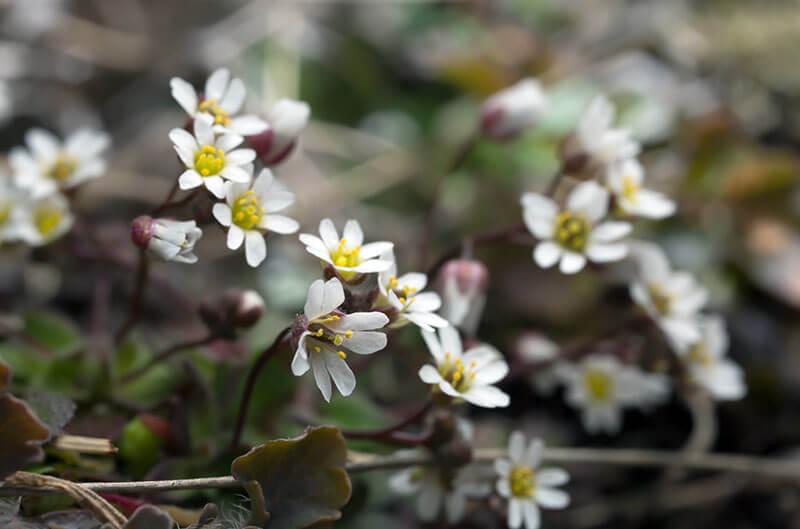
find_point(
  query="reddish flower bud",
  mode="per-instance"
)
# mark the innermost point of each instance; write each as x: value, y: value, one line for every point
x: 287, y: 119
x: 463, y: 284
x: 142, y: 231
x: 510, y: 111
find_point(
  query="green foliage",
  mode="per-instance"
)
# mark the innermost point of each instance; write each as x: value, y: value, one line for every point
x: 295, y: 483
x: 53, y: 331
x: 139, y: 447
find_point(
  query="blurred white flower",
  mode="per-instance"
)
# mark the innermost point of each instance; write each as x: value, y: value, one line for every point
x: 469, y: 375
x: 602, y: 143
x: 330, y: 335
x: 709, y: 368
x: 404, y: 294
x: 438, y: 488
x: 286, y: 120
x: 625, y: 180
x: 167, y: 239
x: 347, y: 255
x: 602, y: 386
x: 13, y: 202
x: 44, y: 220
x: 526, y: 486
x: 513, y: 109
x: 210, y: 159
x: 48, y: 165
x: 671, y: 298
x: 463, y: 284
x: 222, y: 100
x: 249, y: 211
x: 575, y: 233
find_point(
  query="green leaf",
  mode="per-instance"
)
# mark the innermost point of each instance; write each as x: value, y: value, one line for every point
x: 139, y: 447
x: 295, y: 483
x: 55, y: 332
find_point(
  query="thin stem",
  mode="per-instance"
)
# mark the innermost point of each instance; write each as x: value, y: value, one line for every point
x: 388, y: 432
x: 176, y: 204
x: 250, y: 384
x: 552, y: 187
x: 135, y: 308
x: 165, y: 354
x: 457, y: 162
x: 778, y: 468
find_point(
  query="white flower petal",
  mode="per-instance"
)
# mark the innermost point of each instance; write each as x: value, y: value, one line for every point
x: 341, y: 373
x: 572, y: 263
x: 321, y: 376
x: 235, y: 237
x: 551, y: 498
x: 189, y: 180
x: 222, y: 212
x: 279, y: 224
x: 184, y: 94
x: 547, y: 253
x: 216, y: 84
x: 255, y: 248
x: 329, y: 235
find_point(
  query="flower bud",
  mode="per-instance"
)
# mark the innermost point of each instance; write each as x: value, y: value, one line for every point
x: 510, y: 111
x: 286, y: 119
x: 463, y: 284
x: 248, y: 310
x: 169, y: 240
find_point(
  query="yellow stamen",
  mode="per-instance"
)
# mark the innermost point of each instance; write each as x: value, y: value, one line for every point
x: 62, y: 168
x: 247, y: 211
x: 572, y: 230
x: 522, y: 481
x: 47, y: 219
x: 209, y: 160
x: 598, y: 384
x: 210, y: 106
x: 341, y: 354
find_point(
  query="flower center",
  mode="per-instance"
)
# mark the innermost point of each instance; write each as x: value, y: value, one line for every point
x: 699, y: 355
x: 572, y: 230
x: 346, y: 257
x: 598, y: 384
x: 404, y: 293
x: 456, y: 373
x: 209, y: 160
x: 662, y: 301
x: 323, y: 337
x: 629, y: 188
x: 62, y: 168
x: 46, y: 219
x: 522, y: 481
x: 247, y: 212
x: 5, y: 211
x: 210, y: 106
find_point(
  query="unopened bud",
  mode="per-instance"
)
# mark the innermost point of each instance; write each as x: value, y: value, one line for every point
x: 463, y: 284
x: 286, y: 119
x: 166, y: 239
x: 242, y: 308
x: 142, y: 231
x: 510, y: 111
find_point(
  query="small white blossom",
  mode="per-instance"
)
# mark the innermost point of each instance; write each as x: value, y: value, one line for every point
x: 172, y: 240
x: 48, y: 165
x: 286, y: 120
x: 331, y: 335
x: 44, y: 219
x: 526, y: 486
x: 605, y: 145
x: 672, y: 298
x: 13, y: 205
x: 602, y: 386
x: 210, y: 159
x: 708, y: 366
x: 438, y: 488
x: 512, y: 110
x: 625, y: 179
x: 222, y: 100
x: 463, y: 284
x: 469, y: 375
x: 404, y: 294
x: 575, y: 233
x: 347, y: 255
x: 250, y: 210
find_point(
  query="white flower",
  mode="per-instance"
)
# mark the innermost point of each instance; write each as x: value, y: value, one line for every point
x: 604, y: 144
x: 347, y: 255
x: 13, y: 203
x: 672, y: 299
x: 48, y: 165
x: 437, y: 487
x: 510, y: 111
x: 222, y: 100
x: 467, y: 375
x: 624, y: 179
x: 708, y: 367
x: 575, y: 233
x: 209, y: 159
x: 526, y: 486
x: 286, y: 120
x: 331, y: 335
x: 250, y: 210
x: 463, y: 284
x: 404, y: 294
x: 172, y: 240
x: 45, y: 219
x: 602, y: 386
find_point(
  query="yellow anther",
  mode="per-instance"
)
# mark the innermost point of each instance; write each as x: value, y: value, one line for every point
x: 211, y: 106
x: 62, y: 168
x: 209, y: 161
x: 317, y: 349
x: 348, y: 333
x: 599, y: 384
x: 661, y: 300
x: 46, y: 220
x: 247, y: 212
x: 337, y: 340
x: 5, y: 212
x: 572, y: 230
x: 341, y: 354
x: 346, y: 257
x: 522, y: 481
x: 318, y: 333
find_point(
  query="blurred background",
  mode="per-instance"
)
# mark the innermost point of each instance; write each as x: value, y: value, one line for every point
x: 711, y: 88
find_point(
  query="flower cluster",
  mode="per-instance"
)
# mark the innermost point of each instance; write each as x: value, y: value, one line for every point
x: 35, y: 201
